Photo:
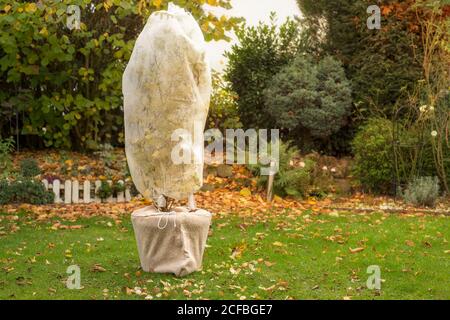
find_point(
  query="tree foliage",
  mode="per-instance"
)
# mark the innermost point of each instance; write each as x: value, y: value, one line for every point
x: 65, y: 83
x: 261, y: 52
x: 378, y: 62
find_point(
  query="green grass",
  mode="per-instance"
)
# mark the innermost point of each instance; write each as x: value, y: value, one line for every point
x: 276, y: 258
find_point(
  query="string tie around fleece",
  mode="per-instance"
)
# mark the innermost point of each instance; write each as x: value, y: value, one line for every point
x: 166, y: 215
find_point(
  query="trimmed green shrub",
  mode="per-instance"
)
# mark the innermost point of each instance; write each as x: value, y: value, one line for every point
x: 289, y: 180
x: 26, y: 191
x: 422, y: 191
x: 118, y: 187
x: 260, y: 53
x: 372, y: 147
x: 310, y: 99
x: 105, y: 190
x: 29, y: 168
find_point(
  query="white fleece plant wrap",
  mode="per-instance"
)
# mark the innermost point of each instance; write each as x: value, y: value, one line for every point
x: 166, y: 86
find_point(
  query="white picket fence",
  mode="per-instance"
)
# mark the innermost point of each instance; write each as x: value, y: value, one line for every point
x: 71, y: 191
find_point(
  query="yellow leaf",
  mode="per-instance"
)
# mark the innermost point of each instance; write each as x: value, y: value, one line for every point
x: 31, y: 7
x: 212, y: 2
x: 245, y: 192
x: 237, y: 251
x: 68, y: 254
x: 277, y: 244
x: 7, y: 8
x: 205, y: 26
x: 44, y: 31
x: 277, y: 199
x: 107, y: 4
x: 157, y: 3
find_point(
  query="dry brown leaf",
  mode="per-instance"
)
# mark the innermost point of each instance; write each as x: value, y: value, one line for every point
x: 356, y: 250
x: 410, y: 243
x: 268, y: 263
x: 98, y: 268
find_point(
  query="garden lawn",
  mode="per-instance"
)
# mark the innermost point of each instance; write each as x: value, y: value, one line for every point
x: 308, y: 256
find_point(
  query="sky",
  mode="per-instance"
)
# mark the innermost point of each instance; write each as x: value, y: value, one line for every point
x: 253, y: 11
